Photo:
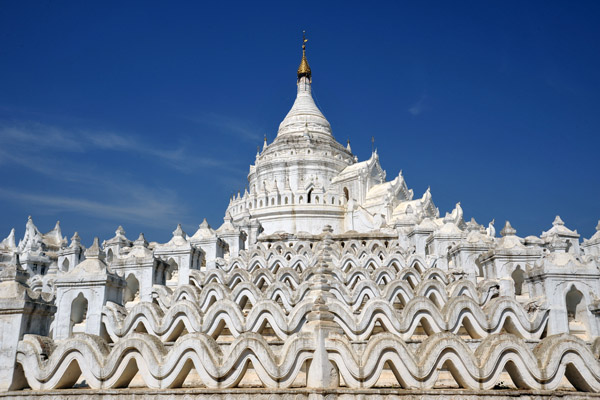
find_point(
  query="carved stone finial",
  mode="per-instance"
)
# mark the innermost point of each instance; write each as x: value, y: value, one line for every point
x: 179, y: 231
x: 448, y: 218
x: 94, y: 250
x: 472, y: 225
x: 75, y: 240
x: 10, y: 240
x: 557, y: 221
x: 120, y: 231
x: 598, y: 226
x: 491, y: 231
x: 508, y: 230
x: 141, y: 241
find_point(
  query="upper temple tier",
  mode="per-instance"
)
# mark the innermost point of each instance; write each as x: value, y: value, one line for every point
x: 304, y: 115
x: 305, y: 180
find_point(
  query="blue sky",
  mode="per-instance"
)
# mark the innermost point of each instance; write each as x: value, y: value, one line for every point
x: 148, y: 114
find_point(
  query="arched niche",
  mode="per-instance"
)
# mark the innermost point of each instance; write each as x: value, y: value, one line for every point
x: 172, y: 272
x: 79, y: 309
x: 577, y: 313
x: 132, y: 288
x: 518, y: 277
x: 65, y: 265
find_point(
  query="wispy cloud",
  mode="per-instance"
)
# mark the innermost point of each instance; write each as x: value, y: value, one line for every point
x: 22, y: 140
x: 36, y: 135
x: 77, y: 179
x: 229, y: 126
x: 419, y: 107
x: 140, y: 206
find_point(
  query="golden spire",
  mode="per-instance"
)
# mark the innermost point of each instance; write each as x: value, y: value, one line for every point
x: 304, y: 68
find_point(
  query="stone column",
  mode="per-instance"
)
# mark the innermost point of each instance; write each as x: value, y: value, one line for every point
x: 211, y: 249
x: 322, y: 373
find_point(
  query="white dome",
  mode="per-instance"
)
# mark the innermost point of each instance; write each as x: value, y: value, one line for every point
x: 304, y: 114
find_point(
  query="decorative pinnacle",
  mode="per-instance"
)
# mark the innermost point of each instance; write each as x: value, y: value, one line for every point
x: 204, y: 224
x: 304, y: 68
x: 120, y: 231
x: 141, y: 241
x: 508, y: 230
x: 75, y: 240
x: 94, y: 250
x: 179, y: 231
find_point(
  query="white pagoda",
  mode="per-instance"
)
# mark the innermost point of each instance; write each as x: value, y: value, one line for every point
x: 324, y: 280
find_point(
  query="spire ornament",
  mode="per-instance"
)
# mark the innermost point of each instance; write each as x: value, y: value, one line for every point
x: 304, y: 68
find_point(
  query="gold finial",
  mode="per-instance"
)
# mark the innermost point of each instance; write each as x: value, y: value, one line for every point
x: 304, y: 68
